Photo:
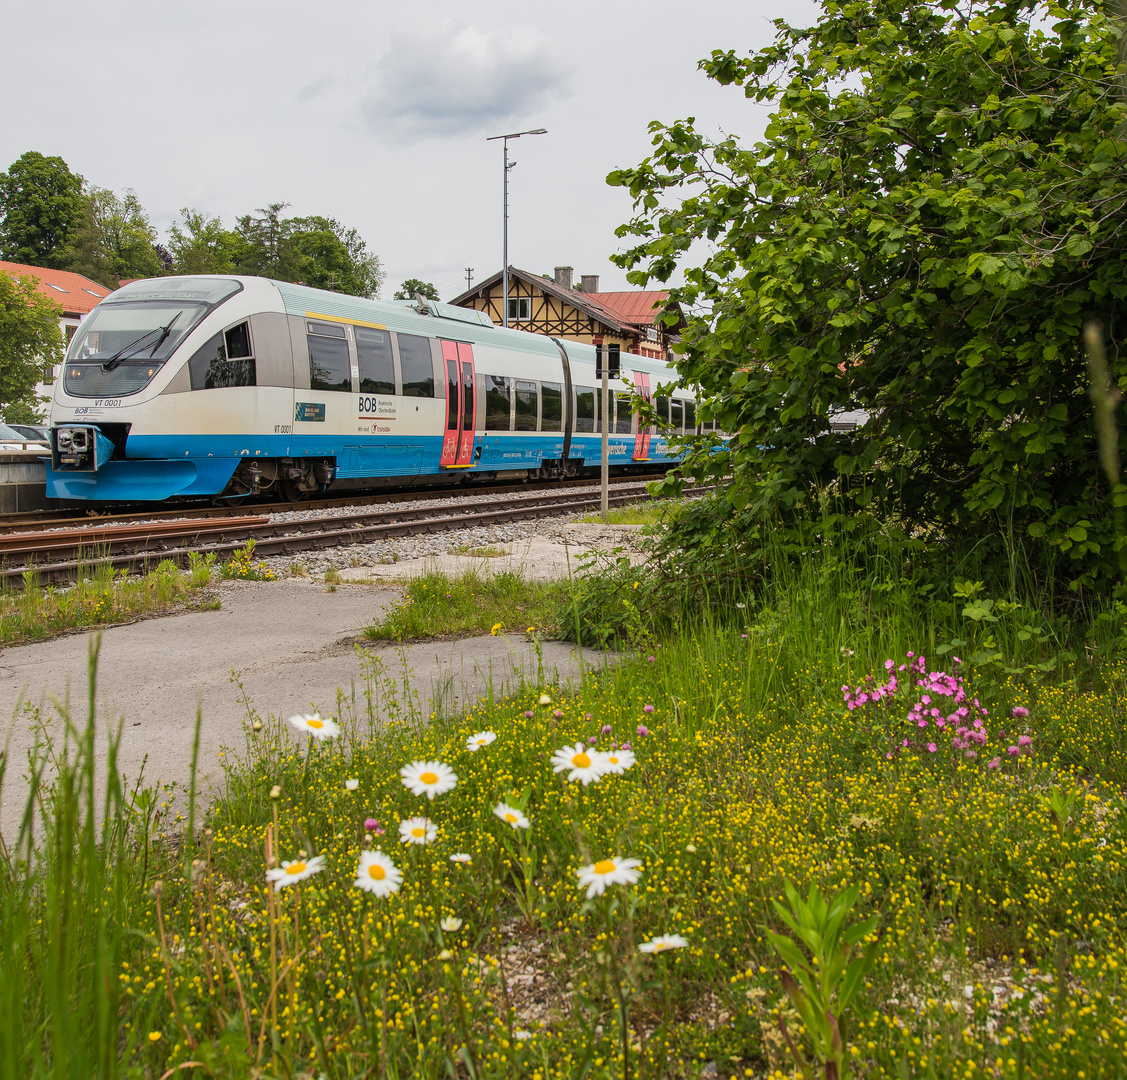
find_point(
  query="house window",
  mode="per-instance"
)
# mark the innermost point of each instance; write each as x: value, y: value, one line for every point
x: 48, y: 374
x: 520, y: 307
x: 651, y: 333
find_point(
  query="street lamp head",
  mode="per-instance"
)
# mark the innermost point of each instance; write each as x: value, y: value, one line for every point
x: 518, y: 134
x: 537, y: 131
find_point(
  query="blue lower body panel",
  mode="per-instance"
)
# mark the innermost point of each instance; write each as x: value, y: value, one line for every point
x: 143, y: 480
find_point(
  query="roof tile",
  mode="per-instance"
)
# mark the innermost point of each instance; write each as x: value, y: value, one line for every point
x: 78, y: 295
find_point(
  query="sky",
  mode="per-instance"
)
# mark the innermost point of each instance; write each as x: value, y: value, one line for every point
x: 377, y: 114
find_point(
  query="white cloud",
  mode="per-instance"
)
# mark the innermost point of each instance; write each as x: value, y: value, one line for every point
x: 449, y: 77
x: 311, y: 90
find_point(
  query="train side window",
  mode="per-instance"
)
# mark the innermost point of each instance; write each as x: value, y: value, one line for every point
x: 675, y: 416
x: 526, y: 406
x: 624, y: 407
x: 662, y: 406
x: 330, y: 367
x: 417, y: 369
x: 551, y: 408
x: 213, y: 367
x: 238, y: 342
x: 585, y: 408
x: 497, y: 403
x: 690, y: 417
x: 373, y: 355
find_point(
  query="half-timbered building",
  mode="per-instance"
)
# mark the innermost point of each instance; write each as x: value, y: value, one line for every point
x: 554, y: 307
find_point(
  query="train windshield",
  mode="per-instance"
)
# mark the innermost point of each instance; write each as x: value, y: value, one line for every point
x: 126, y: 339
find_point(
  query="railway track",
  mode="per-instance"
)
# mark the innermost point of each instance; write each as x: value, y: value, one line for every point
x: 63, y: 554
x: 34, y: 520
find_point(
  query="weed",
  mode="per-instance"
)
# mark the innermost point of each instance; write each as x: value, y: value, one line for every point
x: 241, y: 566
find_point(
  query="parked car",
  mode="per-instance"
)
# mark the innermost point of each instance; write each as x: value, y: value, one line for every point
x: 11, y: 439
x: 32, y: 432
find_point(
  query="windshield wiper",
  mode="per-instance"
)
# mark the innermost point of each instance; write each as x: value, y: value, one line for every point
x: 120, y: 355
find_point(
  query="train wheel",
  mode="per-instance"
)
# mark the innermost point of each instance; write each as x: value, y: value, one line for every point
x: 290, y: 491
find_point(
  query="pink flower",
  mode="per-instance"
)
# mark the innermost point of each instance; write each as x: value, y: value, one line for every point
x: 931, y: 748
x: 606, y: 729
x: 625, y: 746
x: 558, y: 714
x: 972, y: 753
x: 1019, y: 712
x: 994, y: 764
x: 1012, y: 750
x: 643, y: 730
x: 529, y: 714
x: 373, y: 826
x: 651, y: 659
x: 647, y: 708
x: 1024, y: 740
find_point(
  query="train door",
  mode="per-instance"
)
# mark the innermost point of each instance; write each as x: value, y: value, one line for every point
x: 642, y: 439
x: 461, y: 405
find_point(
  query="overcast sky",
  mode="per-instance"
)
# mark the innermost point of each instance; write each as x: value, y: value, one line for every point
x: 377, y: 113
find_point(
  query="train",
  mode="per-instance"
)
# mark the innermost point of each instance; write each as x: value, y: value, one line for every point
x: 227, y: 387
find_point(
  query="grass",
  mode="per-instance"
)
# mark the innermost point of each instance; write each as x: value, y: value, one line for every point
x: 440, y: 605
x: 998, y: 891
x: 651, y: 512
x: 101, y: 596
x: 484, y: 551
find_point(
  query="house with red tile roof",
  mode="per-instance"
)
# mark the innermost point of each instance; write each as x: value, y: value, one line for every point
x: 76, y: 295
x: 555, y: 307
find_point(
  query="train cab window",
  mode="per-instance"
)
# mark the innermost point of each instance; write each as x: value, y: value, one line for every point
x: 586, y: 408
x: 551, y: 407
x: 373, y: 355
x: 661, y: 404
x: 497, y: 403
x: 690, y: 417
x: 624, y: 408
x: 417, y: 369
x: 526, y: 406
x: 676, y: 417
x: 330, y: 367
x: 224, y: 360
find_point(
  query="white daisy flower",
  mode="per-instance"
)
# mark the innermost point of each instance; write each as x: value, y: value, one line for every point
x: 616, y: 761
x: 585, y: 764
x: 461, y: 857
x: 429, y: 778
x: 613, y: 871
x: 352, y: 785
x: 315, y: 726
x: 480, y: 739
x: 451, y: 924
x: 377, y: 874
x: 417, y: 830
x: 289, y: 873
x: 662, y: 943
x: 511, y: 815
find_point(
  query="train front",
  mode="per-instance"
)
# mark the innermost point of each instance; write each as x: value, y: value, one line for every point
x: 119, y: 429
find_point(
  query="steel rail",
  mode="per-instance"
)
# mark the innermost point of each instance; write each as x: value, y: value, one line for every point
x: 133, y: 548
x: 33, y: 520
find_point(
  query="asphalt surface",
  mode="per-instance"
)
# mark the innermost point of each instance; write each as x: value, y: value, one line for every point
x: 294, y: 644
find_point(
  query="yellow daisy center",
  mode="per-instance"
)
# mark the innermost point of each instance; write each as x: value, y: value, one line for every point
x: 418, y: 830
x: 376, y: 871
x: 511, y: 818
x: 613, y: 760
x: 581, y: 761
x: 316, y: 723
x: 296, y: 868
x: 428, y: 778
x: 604, y: 866
x: 482, y: 742
x: 659, y: 946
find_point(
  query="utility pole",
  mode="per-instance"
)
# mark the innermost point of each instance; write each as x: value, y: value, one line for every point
x: 505, y: 217
x: 469, y: 278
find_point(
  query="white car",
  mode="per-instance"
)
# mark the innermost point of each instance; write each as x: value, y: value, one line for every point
x: 10, y: 439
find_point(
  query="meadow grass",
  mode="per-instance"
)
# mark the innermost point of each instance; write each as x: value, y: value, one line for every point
x: 768, y: 747
x: 100, y: 596
x: 436, y: 604
x: 652, y: 512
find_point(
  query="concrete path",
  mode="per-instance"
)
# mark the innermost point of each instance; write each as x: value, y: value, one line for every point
x: 293, y: 642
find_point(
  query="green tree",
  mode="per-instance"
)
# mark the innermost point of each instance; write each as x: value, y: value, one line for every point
x: 30, y: 339
x: 200, y: 245
x: 413, y: 285
x: 938, y: 205
x: 314, y: 251
x: 115, y: 239
x: 40, y: 210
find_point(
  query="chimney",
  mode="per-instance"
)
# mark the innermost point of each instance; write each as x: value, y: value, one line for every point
x: 563, y: 275
x: 589, y: 283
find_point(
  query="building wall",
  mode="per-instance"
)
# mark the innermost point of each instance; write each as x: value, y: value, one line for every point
x: 554, y: 317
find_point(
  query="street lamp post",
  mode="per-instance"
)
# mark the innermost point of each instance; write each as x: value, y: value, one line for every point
x: 505, y: 226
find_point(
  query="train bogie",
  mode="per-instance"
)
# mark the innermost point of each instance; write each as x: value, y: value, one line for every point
x: 227, y: 387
